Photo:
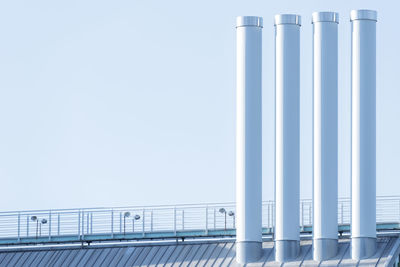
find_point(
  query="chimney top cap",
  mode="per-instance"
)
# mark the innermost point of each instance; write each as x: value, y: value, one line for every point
x: 325, y: 17
x: 363, y: 14
x: 243, y: 21
x: 287, y: 19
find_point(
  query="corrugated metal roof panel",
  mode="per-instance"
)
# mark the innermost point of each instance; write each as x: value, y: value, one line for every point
x: 230, y: 257
x: 2, y: 256
x: 70, y: 258
x: 157, y: 257
x: 142, y: 256
x: 89, y: 253
x: 125, y: 257
x: 92, y: 257
x: 113, y: 253
x: 208, y: 254
x: 199, y: 254
x: 164, y: 258
x: 61, y: 258
x: 51, y: 258
x: 384, y: 256
x: 381, y: 246
x: 215, y: 254
x: 30, y: 259
x: 188, y: 259
x: 78, y: 257
x: 152, y: 253
x: 134, y: 256
x: 15, y: 259
x: 118, y: 256
x: 224, y: 252
x: 346, y: 258
x: 101, y: 256
x: 7, y: 259
x: 39, y: 258
x: 23, y: 258
x: 181, y: 257
x: 174, y: 255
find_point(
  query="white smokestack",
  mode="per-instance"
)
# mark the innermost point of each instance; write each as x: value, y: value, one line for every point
x: 248, y: 140
x: 287, y: 136
x: 325, y: 137
x: 363, y: 133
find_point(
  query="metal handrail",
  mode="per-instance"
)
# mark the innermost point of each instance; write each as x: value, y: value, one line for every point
x: 164, y: 218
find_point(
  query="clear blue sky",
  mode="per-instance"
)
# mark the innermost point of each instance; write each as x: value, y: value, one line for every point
x: 133, y: 102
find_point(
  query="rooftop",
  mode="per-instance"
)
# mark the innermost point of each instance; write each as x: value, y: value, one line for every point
x: 181, y: 235
x: 188, y: 253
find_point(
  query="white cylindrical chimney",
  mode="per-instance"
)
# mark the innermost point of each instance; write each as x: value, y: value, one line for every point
x: 325, y: 137
x: 248, y: 139
x: 363, y: 133
x: 287, y: 136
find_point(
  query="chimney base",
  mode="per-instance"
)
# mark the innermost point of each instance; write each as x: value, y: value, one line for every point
x: 286, y: 250
x: 248, y: 251
x: 324, y: 248
x: 362, y: 247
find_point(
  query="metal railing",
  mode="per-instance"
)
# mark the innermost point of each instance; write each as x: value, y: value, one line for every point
x: 121, y: 221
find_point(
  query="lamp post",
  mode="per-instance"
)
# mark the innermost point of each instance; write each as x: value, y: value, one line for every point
x: 126, y: 215
x: 223, y: 211
x: 135, y: 218
x: 43, y: 221
x: 232, y: 214
x: 35, y: 219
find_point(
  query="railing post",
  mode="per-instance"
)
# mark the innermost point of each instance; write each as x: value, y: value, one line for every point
x: 268, y: 215
x: 215, y: 219
x: 87, y: 223
x: 399, y: 211
x: 83, y: 224
x: 151, y: 221
x: 273, y: 215
x: 225, y: 221
x: 143, y: 222
x: 79, y: 223
x: 58, y: 224
x: 183, y: 220
x: 206, y: 220
x: 341, y: 213
x: 91, y: 223
x: 112, y: 223
x: 310, y: 214
x: 120, y: 222
x: 302, y: 214
x: 50, y: 225
x: 27, y: 225
x: 175, y: 220
x: 19, y: 226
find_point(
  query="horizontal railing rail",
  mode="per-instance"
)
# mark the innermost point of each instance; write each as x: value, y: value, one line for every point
x: 152, y: 221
